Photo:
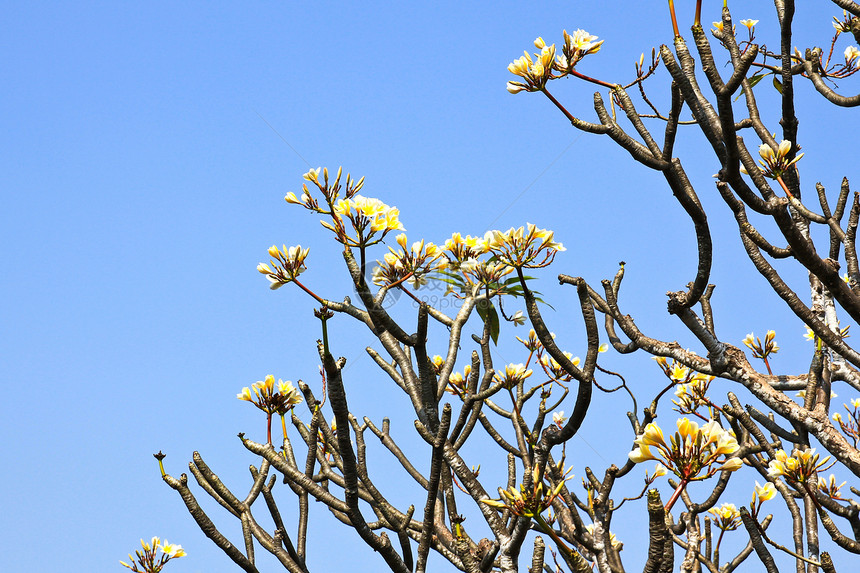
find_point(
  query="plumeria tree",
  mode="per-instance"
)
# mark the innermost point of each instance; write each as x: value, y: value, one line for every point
x: 534, y: 515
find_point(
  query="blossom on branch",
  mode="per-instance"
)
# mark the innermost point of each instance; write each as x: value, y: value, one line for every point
x: 576, y: 46
x: 148, y: 560
x: 263, y: 395
x: 690, y: 451
x: 797, y: 467
x: 286, y: 265
x: 524, y: 247
x: 415, y: 263
x: 775, y: 163
x: 534, y: 72
x: 514, y: 374
x: 529, y: 502
x: 726, y: 517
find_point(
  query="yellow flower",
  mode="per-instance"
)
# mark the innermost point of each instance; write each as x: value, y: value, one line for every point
x: 641, y: 454
x: 531, y: 342
x: 691, y: 451
x: 576, y: 46
x: 514, y: 374
x: 749, y: 23
x: 829, y: 487
x: 524, y: 247
x: 775, y: 162
x: 851, y: 55
x: 798, y: 467
x: 764, y: 492
x: 286, y: 265
x: 312, y: 175
x: 652, y: 436
x: 727, y: 517
x: 554, y: 369
x: 172, y: 550
x: 535, y: 72
x: 263, y: 395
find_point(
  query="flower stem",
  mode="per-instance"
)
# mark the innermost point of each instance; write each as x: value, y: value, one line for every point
x: 309, y: 291
x: 784, y: 186
x: 676, y: 494
x: 400, y: 281
x: 697, y: 21
x: 592, y: 80
x: 674, y: 21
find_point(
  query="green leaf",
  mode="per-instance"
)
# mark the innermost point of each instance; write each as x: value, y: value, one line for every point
x: 754, y: 80
x: 490, y: 316
x: 777, y: 84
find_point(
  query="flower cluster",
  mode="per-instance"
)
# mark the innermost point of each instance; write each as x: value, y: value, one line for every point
x: 488, y: 273
x: 459, y: 250
x: 760, y: 350
x: 829, y: 487
x: 525, y: 247
x: 148, y: 560
x: 534, y: 72
x: 287, y: 265
x: 675, y: 371
x: 775, y: 163
x: 367, y: 215
x: 528, y: 503
x: 554, y: 369
x: 693, y: 395
x: 531, y: 342
x: 797, y: 467
x: 690, y: 451
x: 726, y: 517
x: 514, y: 374
x: 263, y: 395
x: 576, y: 46
x: 330, y: 191
x: 413, y: 263
x: 457, y: 381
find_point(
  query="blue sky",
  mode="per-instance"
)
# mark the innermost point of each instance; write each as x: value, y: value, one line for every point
x: 146, y: 153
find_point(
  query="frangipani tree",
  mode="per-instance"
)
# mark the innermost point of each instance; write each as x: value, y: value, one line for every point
x: 463, y: 394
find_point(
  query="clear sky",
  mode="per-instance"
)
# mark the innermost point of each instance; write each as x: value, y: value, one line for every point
x: 146, y: 150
